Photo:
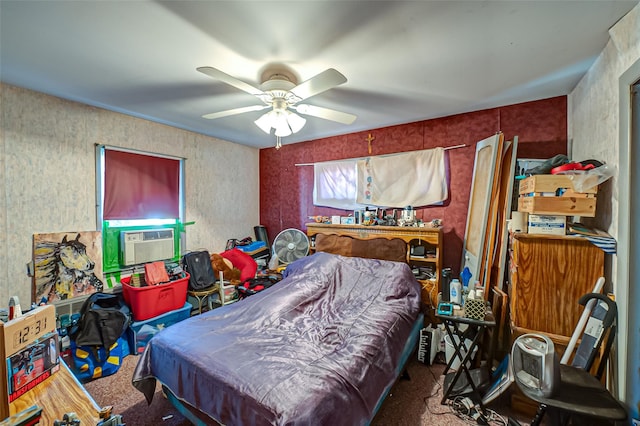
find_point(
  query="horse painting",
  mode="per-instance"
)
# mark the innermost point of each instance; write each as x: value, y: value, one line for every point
x: 63, y: 267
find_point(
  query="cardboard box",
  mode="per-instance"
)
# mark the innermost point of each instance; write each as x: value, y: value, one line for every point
x: 335, y: 220
x: 347, y: 220
x: 26, y: 329
x: 32, y: 365
x: 547, y: 224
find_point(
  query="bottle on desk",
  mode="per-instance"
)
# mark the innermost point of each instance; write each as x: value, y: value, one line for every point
x: 465, y: 292
x: 456, y: 291
x: 446, y: 284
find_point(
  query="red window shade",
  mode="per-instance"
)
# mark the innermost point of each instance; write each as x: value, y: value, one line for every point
x: 138, y: 186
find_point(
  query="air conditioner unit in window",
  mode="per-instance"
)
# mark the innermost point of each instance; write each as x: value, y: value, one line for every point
x: 147, y: 245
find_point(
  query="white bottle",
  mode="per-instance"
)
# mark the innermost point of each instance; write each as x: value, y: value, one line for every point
x: 456, y: 291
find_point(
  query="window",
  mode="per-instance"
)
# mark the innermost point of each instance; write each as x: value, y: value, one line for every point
x: 414, y: 178
x: 335, y: 185
x: 136, y: 190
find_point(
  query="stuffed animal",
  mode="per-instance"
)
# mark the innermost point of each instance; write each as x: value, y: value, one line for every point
x: 220, y: 264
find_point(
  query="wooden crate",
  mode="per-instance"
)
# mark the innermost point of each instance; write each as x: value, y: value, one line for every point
x: 563, y: 206
x: 559, y: 185
x: 556, y: 195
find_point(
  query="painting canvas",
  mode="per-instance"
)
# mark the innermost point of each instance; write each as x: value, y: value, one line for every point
x: 66, y: 265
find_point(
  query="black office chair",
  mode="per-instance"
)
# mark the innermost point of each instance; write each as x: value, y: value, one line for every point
x: 580, y: 394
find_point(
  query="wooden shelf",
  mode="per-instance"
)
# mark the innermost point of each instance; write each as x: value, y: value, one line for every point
x: 423, y: 259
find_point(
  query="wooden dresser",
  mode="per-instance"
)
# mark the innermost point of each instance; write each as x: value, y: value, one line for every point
x: 548, y: 276
x: 430, y: 238
x: 549, y: 273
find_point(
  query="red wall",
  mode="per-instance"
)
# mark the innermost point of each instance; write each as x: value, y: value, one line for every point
x: 286, y: 190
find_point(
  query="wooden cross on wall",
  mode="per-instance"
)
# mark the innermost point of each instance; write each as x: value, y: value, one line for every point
x: 369, y: 139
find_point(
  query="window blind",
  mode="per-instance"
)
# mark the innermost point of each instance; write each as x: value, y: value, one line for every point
x: 138, y: 186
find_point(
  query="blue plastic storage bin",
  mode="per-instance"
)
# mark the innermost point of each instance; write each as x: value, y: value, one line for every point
x: 252, y: 247
x: 143, y: 331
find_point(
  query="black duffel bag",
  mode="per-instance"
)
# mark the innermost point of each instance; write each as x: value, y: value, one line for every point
x: 255, y: 285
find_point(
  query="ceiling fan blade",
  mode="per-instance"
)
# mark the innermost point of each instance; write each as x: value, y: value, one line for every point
x: 234, y: 111
x: 232, y: 81
x: 324, y: 81
x: 326, y: 113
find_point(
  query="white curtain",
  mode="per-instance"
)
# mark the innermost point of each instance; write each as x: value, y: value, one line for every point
x: 334, y: 185
x: 416, y: 178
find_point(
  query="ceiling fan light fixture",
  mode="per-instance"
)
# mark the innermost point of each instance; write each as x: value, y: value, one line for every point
x: 282, y: 127
x: 284, y: 122
x: 281, y: 92
x: 265, y: 122
x: 295, y: 121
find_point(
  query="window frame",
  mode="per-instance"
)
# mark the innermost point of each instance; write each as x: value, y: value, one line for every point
x: 104, y: 226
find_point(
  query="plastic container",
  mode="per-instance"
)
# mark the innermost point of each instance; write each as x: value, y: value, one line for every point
x: 449, y: 350
x: 151, y: 301
x: 456, y: 291
x: 143, y: 331
x: 252, y: 247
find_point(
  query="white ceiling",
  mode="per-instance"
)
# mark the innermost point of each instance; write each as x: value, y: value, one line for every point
x: 405, y: 61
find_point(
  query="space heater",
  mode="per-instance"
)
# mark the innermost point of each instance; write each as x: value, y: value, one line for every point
x: 536, y: 364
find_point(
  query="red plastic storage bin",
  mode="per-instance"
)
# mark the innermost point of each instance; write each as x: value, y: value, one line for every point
x: 151, y: 301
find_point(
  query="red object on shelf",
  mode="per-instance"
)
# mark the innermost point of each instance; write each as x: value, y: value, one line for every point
x: 571, y: 166
x: 151, y: 301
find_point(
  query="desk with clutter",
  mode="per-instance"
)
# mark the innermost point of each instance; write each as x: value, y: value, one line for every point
x: 42, y: 386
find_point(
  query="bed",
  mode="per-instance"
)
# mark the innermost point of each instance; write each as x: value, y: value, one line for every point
x: 323, y: 346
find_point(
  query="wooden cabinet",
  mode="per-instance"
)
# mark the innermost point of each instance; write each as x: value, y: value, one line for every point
x: 549, y: 273
x: 429, y: 238
x: 548, y: 276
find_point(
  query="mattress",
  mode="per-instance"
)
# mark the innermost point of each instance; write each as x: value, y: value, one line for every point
x: 323, y: 346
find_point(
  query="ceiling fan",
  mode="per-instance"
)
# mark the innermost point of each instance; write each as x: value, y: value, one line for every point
x: 281, y: 92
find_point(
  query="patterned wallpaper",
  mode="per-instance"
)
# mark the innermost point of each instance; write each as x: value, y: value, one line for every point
x: 286, y: 189
x: 595, y: 107
x: 595, y: 110
x: 47, y: 177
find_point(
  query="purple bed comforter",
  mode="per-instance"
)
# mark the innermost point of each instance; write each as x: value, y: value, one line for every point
x: 318, y: 348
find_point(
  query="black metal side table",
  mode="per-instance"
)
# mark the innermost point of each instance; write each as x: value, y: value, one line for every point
x: 459, y: 334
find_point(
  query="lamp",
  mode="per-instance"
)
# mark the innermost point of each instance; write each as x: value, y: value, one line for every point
x: 283, y: 121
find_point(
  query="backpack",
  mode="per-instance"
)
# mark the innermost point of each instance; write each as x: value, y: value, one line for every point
x: 104, y: 318
x: 198, y: 265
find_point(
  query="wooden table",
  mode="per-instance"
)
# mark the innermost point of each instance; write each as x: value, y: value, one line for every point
x: 59, y: 394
